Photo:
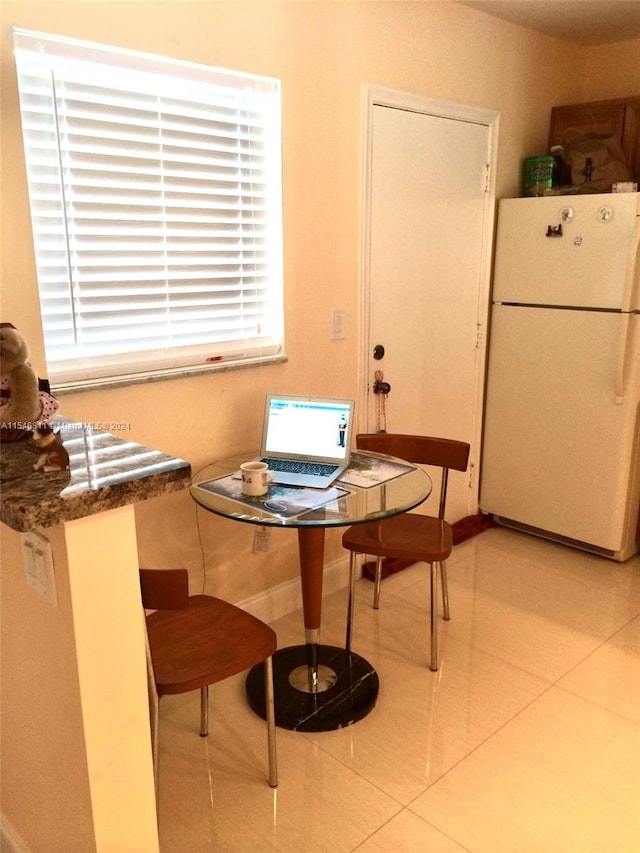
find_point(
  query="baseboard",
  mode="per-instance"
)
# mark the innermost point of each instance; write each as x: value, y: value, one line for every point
x: 287, y: 597
x: 10, y: 841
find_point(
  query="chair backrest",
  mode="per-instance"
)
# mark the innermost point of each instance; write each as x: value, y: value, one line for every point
x: 444, y: 453
x: 164, y: 589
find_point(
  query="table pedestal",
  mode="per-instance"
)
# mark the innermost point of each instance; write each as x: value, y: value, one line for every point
x: 317, y: 688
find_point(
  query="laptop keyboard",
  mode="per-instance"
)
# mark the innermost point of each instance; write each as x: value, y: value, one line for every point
x: 295, y: 466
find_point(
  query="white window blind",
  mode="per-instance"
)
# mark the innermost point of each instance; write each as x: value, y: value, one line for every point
x: 155, y: 191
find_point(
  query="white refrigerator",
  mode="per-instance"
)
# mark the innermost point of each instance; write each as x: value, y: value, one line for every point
x: 561, y: 444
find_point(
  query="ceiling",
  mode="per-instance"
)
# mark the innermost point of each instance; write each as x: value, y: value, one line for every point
x: 586, y: 22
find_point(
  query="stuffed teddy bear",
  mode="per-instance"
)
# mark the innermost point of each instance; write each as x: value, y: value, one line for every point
x: 22, y: 402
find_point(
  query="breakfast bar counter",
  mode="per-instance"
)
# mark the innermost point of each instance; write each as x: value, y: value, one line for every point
x: 105, y: 472
x: 77, y: 757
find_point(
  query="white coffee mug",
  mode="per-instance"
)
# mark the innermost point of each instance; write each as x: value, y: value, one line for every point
x: 255, y: 478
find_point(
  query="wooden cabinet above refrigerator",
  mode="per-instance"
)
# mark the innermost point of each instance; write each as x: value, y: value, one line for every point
x: 620, y: 117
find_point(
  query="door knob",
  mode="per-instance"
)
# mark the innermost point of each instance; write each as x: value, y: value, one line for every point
x: 381, y: 387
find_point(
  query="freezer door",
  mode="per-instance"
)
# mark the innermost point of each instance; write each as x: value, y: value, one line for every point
x: 559, y: 454
x: 586, y: 266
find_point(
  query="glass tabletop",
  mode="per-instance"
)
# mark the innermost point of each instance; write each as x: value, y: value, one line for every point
x: 374, y: 487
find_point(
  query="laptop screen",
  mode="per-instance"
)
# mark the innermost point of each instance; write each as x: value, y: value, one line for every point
x: 307, y: 426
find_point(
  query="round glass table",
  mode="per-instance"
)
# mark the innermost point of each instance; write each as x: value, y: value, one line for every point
x: 317, y: 687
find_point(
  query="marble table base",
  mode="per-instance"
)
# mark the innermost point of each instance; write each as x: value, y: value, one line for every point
x: 347, y: 689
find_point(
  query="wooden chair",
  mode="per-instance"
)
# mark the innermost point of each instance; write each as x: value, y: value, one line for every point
x: 198, y: 640
x: 409, y: 536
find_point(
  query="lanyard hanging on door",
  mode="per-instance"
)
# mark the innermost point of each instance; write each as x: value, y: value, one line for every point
x: 381, y: 389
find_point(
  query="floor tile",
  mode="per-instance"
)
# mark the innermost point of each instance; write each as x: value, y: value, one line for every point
x: 407, y: 833
x: 563, y: 776
x: 214, y: 793
x: 607, y: 575
x: 425, y: 722
x: 610, y: 676
x: 518, y: 610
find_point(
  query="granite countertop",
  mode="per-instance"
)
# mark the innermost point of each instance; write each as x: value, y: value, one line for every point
x: 105, y: 472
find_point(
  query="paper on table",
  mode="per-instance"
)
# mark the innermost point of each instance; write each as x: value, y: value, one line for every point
x: 367, y: 471
x: 282, y: 501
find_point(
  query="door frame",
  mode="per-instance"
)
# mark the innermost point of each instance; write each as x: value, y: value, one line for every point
x: 376, y: 96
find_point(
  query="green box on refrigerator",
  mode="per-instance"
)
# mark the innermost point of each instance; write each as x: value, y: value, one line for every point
x: 537, y: 175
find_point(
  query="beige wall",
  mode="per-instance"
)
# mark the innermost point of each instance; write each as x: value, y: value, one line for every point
x: 324, y: 53
x: 612, y: 71
x: 44, y: 792
x: 77, y: 772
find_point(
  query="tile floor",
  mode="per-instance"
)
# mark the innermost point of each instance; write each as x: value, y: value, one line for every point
x: 526, y: 739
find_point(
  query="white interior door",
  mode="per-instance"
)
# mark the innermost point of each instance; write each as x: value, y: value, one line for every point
x: 426, y: 288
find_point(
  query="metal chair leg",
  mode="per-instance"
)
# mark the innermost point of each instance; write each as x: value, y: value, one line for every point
x: 154, y: 709
x: 445, y: 589
x: 352, y: 598
x: 204, y: 711
x: 376, y: 587
x: 433, y: 621
x: 271, y: 722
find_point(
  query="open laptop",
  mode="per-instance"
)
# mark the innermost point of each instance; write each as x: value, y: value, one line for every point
x: 306, y: 440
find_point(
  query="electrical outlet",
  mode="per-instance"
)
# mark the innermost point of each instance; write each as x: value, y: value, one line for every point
x: 262, y: 540
x: 38, y: 564
x: 337, y: 324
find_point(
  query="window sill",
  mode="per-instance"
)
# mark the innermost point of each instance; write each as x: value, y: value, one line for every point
x: 78, y: 386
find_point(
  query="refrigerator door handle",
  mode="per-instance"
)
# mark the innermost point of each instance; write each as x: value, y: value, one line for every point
x: 629, y: 296
x: 621, y: 358
x: 630, y: 292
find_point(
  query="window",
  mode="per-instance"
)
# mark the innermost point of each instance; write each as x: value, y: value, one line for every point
x: 155, y: 192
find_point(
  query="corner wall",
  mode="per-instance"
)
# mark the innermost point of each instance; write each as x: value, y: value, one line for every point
x: 44, y: 785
